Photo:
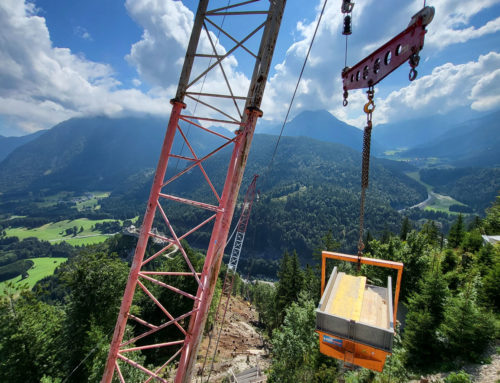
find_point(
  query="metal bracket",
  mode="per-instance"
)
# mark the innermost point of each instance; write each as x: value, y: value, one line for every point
x: 391, y: 55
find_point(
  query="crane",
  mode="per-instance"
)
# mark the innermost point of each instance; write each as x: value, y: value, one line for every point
x: 232, y: 265
x: 224, y: 105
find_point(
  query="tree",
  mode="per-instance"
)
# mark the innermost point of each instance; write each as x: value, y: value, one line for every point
x: 405, y: 228
x: 472, y: 241
x: 492, y: 220
x: 490, y: 291
x: 425, y: 314
x: 264, y: 299
x: 295, y: 350
x: 431, y: 231
x: 467, y: 328
x: 96, y: 283
x: 457, y: 232
x: 312, y: 284
x: 30, y: 339
x: 290, y: 283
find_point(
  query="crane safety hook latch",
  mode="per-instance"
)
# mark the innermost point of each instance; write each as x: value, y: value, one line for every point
x: 369, y: 107
x: 391, y: 55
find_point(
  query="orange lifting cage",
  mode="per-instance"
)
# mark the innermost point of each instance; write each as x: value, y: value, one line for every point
x: 354, y: 320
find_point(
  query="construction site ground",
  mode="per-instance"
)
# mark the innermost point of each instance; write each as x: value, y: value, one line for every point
x: 240, y: 346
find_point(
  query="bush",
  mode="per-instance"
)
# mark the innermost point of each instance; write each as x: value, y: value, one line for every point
x: 14, y: 269
x: 458, y: 377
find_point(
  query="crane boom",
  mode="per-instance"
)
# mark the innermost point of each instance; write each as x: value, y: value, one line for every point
x: 221, y: 108
x: 232, y: 265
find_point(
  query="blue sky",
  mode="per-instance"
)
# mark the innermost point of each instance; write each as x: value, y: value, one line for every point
x: 62, y: 59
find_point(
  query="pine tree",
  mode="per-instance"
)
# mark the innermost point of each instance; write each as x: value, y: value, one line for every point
x: 405, y: 229
x: 492, y: 220
x: 467, y: 328
x: 284, y: 289
x: 457, y: 232
x: 431, y: 231
x: 425, y: 314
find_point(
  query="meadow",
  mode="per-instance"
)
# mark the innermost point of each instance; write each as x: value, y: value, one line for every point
x: 42, y: 268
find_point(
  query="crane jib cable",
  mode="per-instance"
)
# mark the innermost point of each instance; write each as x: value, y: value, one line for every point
x: 296, y: 87
x: 287, y: 114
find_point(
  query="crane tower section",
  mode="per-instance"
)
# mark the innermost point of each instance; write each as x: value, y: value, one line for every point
x: 214, y: 91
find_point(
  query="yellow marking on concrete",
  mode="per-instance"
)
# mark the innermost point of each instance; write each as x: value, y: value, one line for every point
x: 348, y: 298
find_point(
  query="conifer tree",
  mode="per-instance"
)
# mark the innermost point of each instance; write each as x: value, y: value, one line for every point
x: 457, y: 232
x: 425, y: 314
x: 405, y: 229
x: 467, y: 328
x: 284, y: 288
x: 431, y: 231
x: 492, y: 220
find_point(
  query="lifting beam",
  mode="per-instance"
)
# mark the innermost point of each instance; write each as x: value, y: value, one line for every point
x: 405, y: 46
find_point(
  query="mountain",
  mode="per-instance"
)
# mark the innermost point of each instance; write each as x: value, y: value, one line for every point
x: 408, y: 134
x: 8, y: 144
x: 417, y: 132
x: 472, y: 143
x: 311, y: 187
x: 323, y: 126
x: 96, y: 153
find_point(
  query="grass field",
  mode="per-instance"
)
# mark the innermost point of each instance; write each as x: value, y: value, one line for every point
x: 416, y: 176
x: 442, y: 203
x: 438, y: 202
x: 92, y: 203
x: 42, y: 268
x: 55, y: 232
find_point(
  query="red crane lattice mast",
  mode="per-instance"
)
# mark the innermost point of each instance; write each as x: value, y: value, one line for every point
x: 227, y: 108
x: 232, y: 266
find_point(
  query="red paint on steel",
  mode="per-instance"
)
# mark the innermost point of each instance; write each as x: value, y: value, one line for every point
x: 385, y: 59
x: 142, y: 243
x: 217, y: 244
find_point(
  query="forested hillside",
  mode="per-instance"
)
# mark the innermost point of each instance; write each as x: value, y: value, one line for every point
x: 311, y: 186
x: 473, y: 186
x: 61, y: 330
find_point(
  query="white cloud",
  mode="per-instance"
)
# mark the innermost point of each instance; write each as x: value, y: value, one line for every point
x: 474, y: 84
x: 452, y: 22
x: 450, y: 85
x: 42, y: 85
x: 158, y: 56
x: 82, y: 33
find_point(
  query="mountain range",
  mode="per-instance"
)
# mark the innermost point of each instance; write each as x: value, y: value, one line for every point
x: 473, y: 143
x: 9, y: 144
x: 323, y: 126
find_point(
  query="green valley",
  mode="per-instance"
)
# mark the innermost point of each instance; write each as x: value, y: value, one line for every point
x: 42, y: 267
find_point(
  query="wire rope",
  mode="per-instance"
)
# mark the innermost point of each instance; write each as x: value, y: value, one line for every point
x: 295, y: 90
x: 283, y: 127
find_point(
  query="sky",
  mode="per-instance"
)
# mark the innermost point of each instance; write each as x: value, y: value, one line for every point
x: 62, y: 59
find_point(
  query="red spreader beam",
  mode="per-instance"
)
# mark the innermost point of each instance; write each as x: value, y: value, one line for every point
x: 391, y: 55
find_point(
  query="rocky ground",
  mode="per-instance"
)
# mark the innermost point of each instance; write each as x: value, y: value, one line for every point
x: 480, y: 373
x: 240, y: 346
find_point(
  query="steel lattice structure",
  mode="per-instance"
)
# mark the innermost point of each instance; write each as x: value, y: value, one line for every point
x: 227, y: 287
x: 198, y: 110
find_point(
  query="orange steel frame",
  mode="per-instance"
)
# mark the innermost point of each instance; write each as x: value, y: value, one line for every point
x: 365, y: 261
x: 350, y: 351
x: 361, y: 354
